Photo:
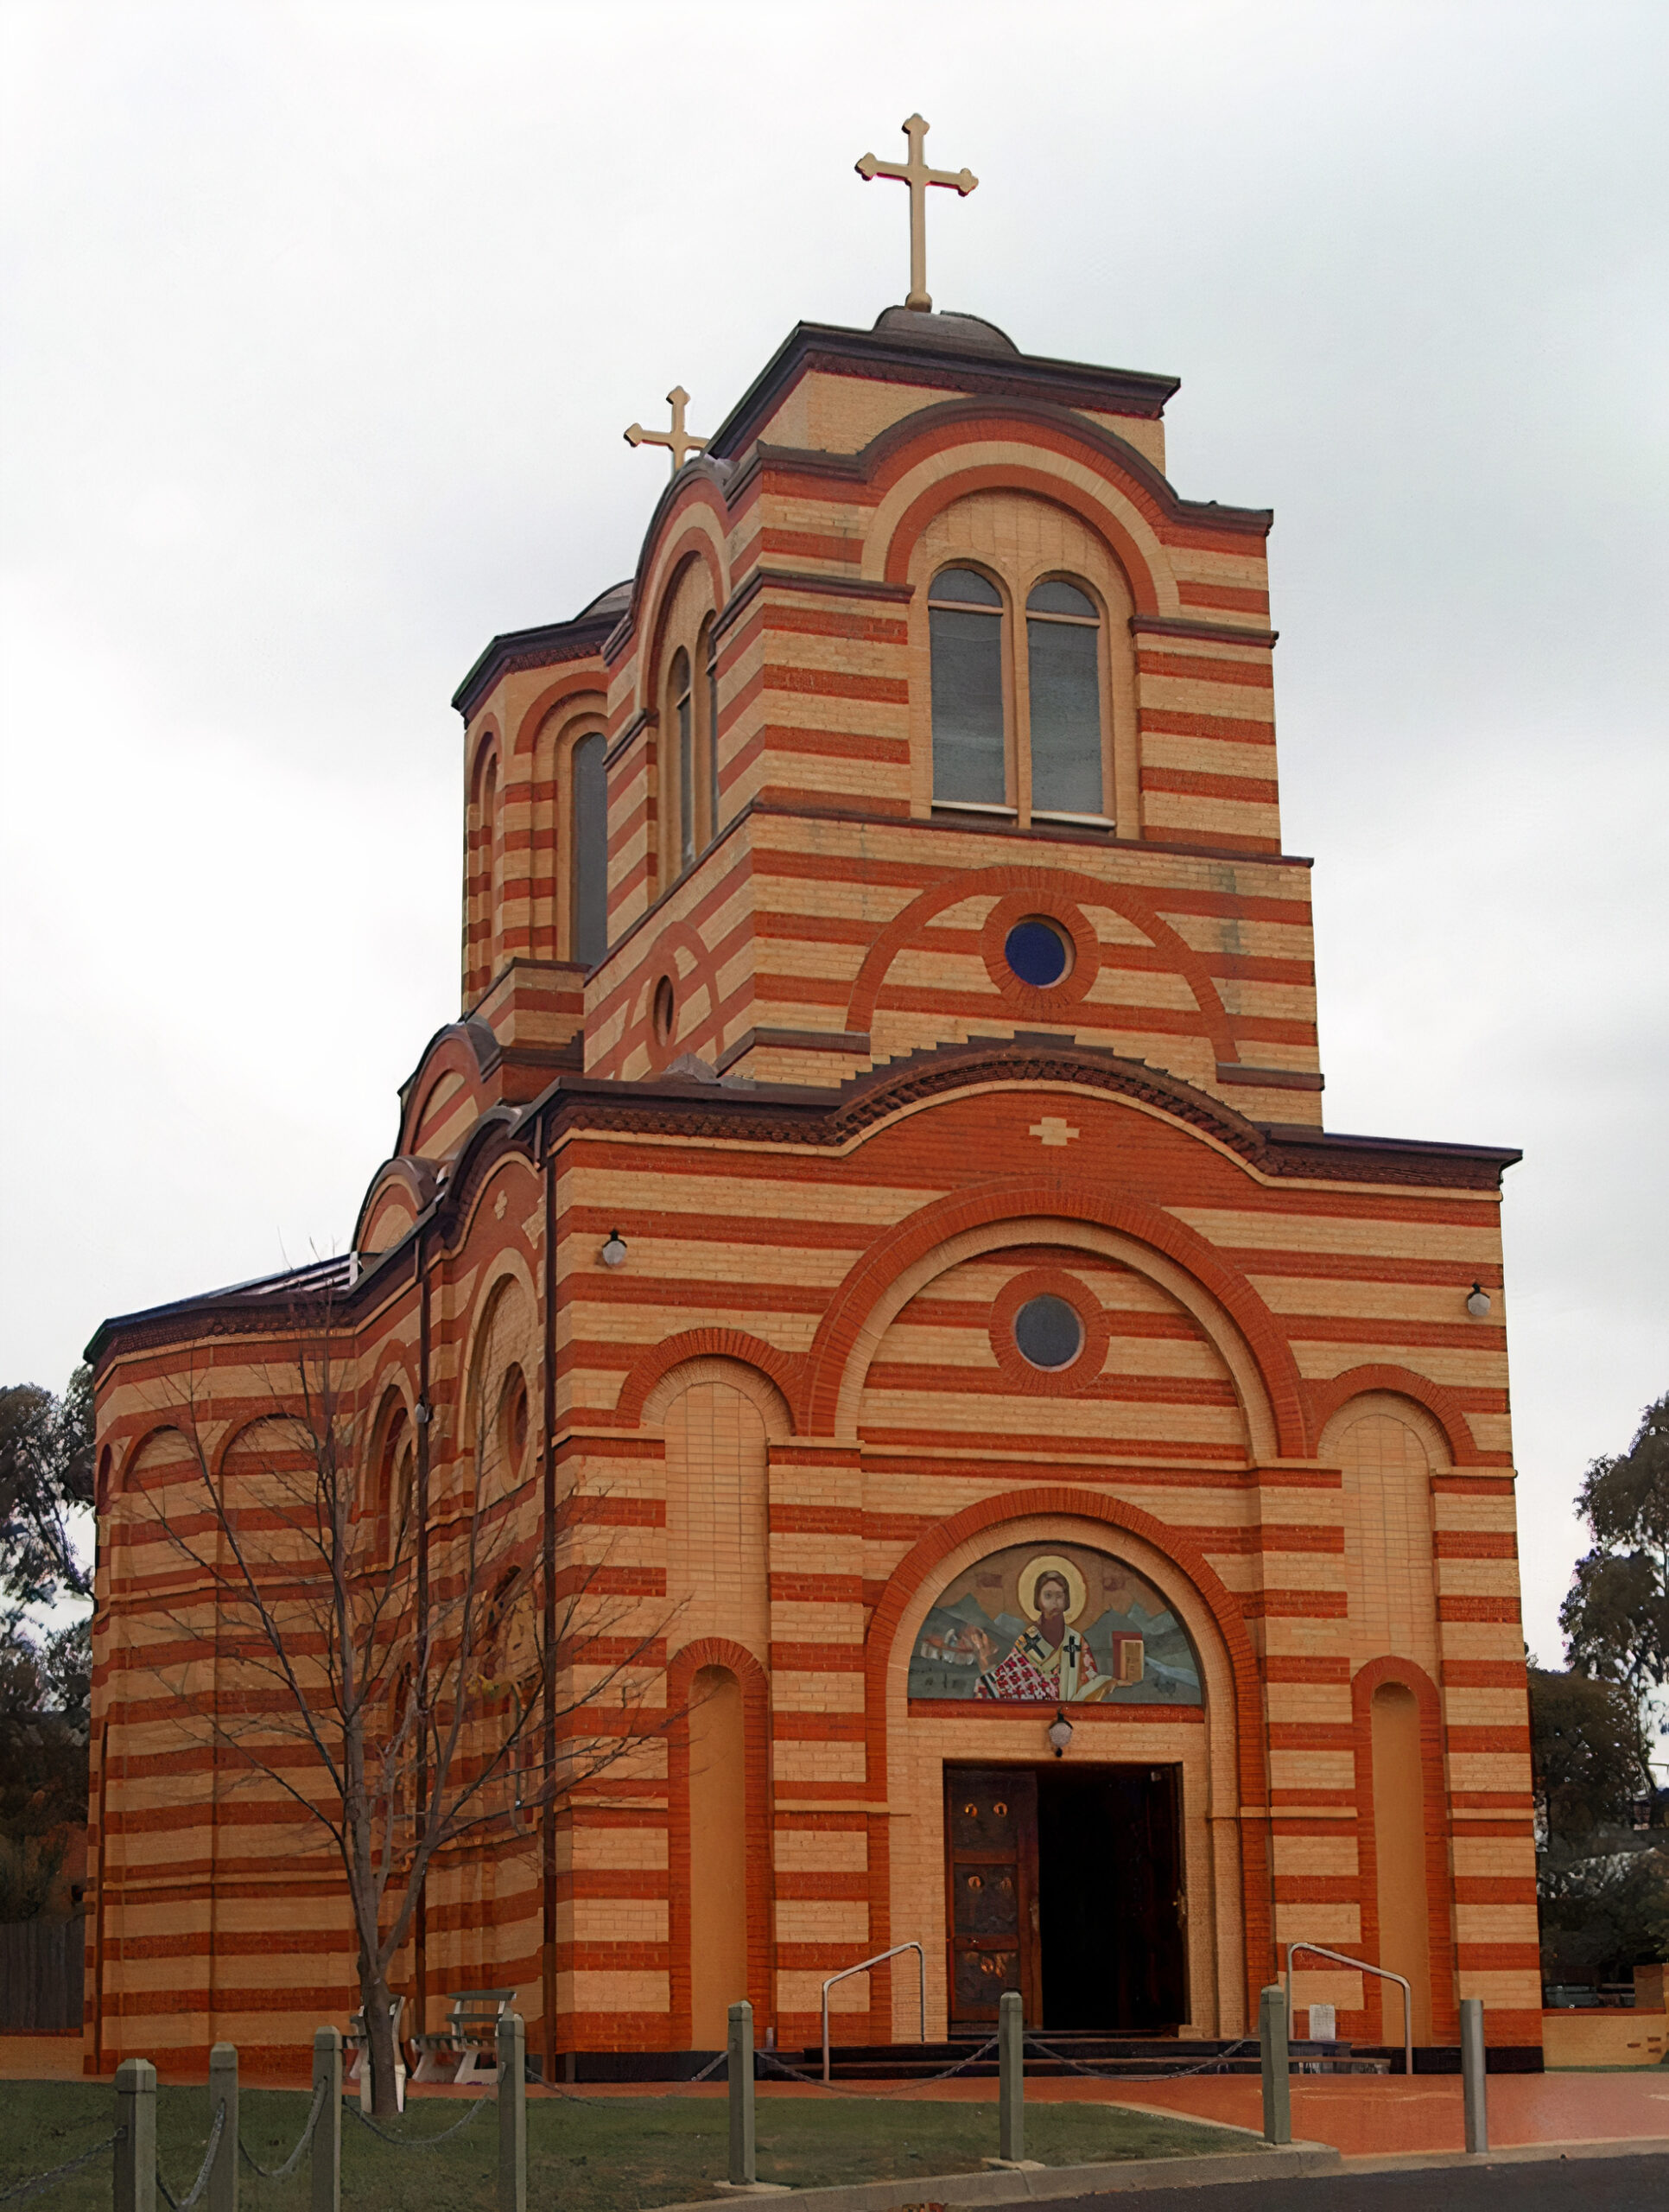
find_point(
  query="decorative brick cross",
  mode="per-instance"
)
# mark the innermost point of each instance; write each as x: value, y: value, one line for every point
x: 1053, y: 1130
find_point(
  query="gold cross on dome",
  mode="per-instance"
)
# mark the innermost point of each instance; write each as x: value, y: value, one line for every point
x: 677, y: 438
x: 917, y: 175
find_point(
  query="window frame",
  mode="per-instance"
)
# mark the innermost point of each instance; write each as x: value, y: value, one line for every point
x: 681, y: 846
x: 1066, y: 817
x: 1008, y: 808
x: 581, y: 735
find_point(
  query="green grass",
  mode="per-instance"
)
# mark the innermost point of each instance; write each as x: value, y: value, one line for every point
x: 605, y: 2154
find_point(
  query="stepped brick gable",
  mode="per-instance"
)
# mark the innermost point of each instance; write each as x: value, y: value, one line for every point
x: 876, y: 918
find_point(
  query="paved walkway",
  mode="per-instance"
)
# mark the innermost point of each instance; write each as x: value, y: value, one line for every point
x: 1592, y: 2184
x: 1389, y: 2114
x: 1362, y: 2117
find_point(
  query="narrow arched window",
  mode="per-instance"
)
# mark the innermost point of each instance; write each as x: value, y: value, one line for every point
x: 1062, y: 649
x: 589, y: 850
x: 965, y: 630
x: 683, y: 715
x: 712, y: 739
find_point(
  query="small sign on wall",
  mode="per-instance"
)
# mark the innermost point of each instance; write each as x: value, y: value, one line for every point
x: 1324, y: 2024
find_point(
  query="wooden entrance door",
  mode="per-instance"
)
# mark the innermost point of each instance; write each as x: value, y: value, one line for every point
x: 991, y: 1846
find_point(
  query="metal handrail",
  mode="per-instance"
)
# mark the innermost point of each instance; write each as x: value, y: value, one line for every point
x: 1360, y: 1966
x: 863, y: 1967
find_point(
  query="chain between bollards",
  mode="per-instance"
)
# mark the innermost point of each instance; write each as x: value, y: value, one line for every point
x: 1277, y: 2079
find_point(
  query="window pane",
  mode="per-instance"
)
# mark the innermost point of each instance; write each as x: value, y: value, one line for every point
x: 714, y: 824
x: 967, y: 707
x: 1066, y: 719
x: 590, y: 851
x: 1055, y: 597
x: 686, y: 783
x: 965, y: 584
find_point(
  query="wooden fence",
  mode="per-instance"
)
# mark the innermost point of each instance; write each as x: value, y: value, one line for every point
x: 40, y: 1973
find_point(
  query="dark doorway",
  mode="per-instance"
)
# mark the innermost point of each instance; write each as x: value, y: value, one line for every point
x: 1065, y: 1883
x: 1110, y: 1897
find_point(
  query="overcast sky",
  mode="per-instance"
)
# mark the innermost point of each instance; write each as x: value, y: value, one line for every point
x: 321, y: 326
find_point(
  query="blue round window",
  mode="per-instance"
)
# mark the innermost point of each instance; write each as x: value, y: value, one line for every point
x: 1047, y: 1332
x: 1038, y: 953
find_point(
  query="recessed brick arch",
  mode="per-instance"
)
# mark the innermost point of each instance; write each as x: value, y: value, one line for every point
x: 584, y: 685
x: 1039, y: 884
x: 693, y: 543
x: 1446, y: 1407
x: 839, y: 1336
x: 779, y: 1368
x: 681, y: 1670
x: 1439, y: 1935
x: 929, y: 1555
x: 1014, y: 476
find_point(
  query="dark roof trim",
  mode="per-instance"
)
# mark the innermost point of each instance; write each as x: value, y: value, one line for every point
x: 802, y: 1114
x: 889, y: 356
x: 546, y: 647
x: 683, y: 1105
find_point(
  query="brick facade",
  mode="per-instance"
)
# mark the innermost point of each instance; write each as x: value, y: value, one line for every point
x: 843, y: 1141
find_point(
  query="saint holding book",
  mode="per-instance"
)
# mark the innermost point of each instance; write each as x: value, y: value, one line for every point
x: 1049, y: 1662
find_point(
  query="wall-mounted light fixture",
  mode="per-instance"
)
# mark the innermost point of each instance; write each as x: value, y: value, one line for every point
x: 1477, y: 1303
x: 614, y: 1249
x: 1060, y: 1731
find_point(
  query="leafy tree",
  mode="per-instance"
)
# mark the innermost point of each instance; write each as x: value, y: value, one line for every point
x: 1616, y: 1618
x: 45, y: 1484
x: 1586, y: 1753
x: 1601, y: 1915
x: 44, y: 1694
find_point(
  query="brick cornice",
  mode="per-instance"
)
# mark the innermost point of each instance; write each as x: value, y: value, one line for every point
x: 990, y: 370
x: 792, y: 1114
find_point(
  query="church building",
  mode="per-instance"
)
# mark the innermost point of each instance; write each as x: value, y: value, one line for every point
x: 1063, y: 1490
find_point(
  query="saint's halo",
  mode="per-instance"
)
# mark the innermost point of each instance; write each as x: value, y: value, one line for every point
x: 1051, y: 1563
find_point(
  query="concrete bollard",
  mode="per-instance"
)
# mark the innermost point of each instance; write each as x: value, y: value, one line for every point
x: 326, y: 2150
x: 1473, y: 2074
x: 222, y: 2193
x: 136, y: 2137
x: 739, y: 2067
x: 1010, y: 2078
x: 512, y: 2113
x: 1277, y: 2079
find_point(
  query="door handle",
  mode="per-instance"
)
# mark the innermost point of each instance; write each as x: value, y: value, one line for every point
x: 1036, y: 1916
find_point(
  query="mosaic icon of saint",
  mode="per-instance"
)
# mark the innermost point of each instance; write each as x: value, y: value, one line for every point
x: 1049, y: 1664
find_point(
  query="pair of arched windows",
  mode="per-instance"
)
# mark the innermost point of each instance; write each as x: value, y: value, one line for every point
x: 689, y: 781
x: 691, y: 759
x: 1057, y: 754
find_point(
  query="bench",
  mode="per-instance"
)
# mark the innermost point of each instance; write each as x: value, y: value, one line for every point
x: 466, y: 2049
x: 354, y: 2042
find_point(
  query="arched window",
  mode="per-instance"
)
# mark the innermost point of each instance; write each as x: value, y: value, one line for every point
x: 683, y: 716
x: 589, y: 850
x: 1062, y: 650
x: 712, y: 738
x: 965, y: 631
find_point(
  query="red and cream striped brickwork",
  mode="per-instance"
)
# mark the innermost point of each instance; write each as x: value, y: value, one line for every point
x: 842, y: 1142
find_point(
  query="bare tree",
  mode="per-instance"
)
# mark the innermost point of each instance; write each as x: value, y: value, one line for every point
x: 409, y: 1672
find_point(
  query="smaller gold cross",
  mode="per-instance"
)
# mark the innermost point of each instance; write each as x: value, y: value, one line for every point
x: 677, y: 438
x: 917, y: 175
